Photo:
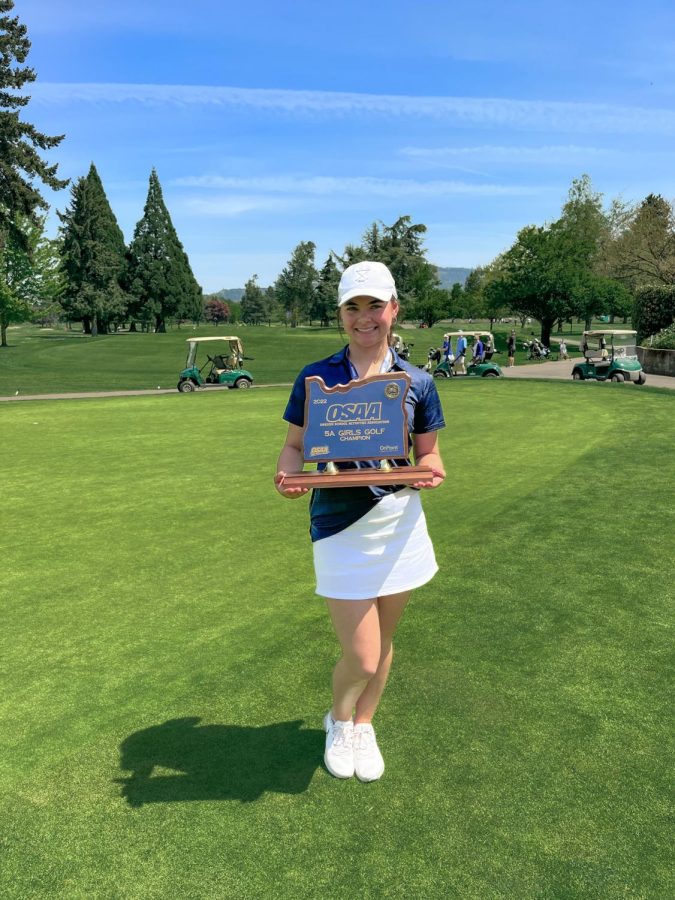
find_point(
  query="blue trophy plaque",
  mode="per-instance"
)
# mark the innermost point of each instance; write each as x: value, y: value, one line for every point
x: 363, y: 420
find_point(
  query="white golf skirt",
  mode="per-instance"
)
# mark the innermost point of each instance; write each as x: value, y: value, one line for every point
x: 387, y: 551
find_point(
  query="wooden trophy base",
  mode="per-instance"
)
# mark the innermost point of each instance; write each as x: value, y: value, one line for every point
x: 360, y: 477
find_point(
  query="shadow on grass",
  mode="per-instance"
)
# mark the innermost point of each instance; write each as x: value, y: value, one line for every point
x: 217, y: 762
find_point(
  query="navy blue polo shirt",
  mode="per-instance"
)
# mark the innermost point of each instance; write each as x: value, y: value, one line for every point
x: 331, y: 509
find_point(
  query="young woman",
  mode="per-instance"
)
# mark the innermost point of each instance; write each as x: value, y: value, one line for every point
x: 371, y: 546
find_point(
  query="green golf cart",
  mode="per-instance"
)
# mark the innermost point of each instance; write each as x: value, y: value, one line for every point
x: 223, y: 364
x: 483, y: 368
x: 609, y: 355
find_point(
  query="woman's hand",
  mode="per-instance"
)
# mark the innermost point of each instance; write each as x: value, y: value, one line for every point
x: 291, y: 492
x: 439, y: 477
x: 427, y: 454
x: 290, y: 461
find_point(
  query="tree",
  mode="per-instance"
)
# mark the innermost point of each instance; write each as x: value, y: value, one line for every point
x: 555, y: 271
x: 643, y: 250
x: 20, y: 167
x: 235, y: 312
x: 400, y: 247
x: 455, y: 301
x: 216, y: 310
x: 272, y: 306
x: 48, y: 282
x: 492, y: 304
x: 29, y: 279
x: 325, y: 298
x: 253, y: 306
x: 401, y: 250
x: 431, y: 307
x: 654, y: 309
x: 93, y: 258
x: 295, y: 287
x: 160, y: 278
x: 15, y: 279
x: 525, y: 279
x: 473, y: 294
x: 20, y: 163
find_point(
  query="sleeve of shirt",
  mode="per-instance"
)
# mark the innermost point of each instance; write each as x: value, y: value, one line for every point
x: 295, y: 408
x: 428, y: 410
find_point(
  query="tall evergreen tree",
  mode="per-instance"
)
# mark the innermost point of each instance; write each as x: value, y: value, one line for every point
x: 253, y: 303
x: 273, y: 309
x: 93, y: 257
x: 20, y: 163
x: 161, y: 281
x: 324, y: 307
x: 400, y: 247
x: 296, y: 285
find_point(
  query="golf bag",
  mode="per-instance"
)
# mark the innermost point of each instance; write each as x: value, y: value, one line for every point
x: 536, y: 350
x: 404, y: 352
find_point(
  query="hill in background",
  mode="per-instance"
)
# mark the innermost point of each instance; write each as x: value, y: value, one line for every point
x: 447, y: 276
x: 230, y: 294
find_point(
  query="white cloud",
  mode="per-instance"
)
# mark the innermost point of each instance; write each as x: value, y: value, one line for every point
x: 328, y: 186
x: 505, y: 154
x: 456, y: 111
x: 231, y: 206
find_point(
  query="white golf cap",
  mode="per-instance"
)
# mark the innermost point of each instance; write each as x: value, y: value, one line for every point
x: 366, y: 279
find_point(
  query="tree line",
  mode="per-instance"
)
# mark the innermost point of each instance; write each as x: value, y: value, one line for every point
x: 591, y: 261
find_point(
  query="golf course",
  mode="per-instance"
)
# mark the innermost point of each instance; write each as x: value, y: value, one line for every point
x: 46, y: 361
x: 165, y: 661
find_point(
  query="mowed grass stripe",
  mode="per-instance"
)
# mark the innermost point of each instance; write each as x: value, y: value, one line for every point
x: 159, y: 607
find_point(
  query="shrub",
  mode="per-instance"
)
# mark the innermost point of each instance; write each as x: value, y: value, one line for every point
x: 664, y: 340
x: 654, y: 309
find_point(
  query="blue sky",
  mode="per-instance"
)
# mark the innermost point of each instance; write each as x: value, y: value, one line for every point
x: 271, y: 123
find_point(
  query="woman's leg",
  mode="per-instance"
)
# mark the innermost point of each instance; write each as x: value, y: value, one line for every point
x: 357, y: 625
x: 389, y: 609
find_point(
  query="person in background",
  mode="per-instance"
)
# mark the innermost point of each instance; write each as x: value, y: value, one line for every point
x: 563, y: 349
x: 511, y: 348
x: 460, y: 354
x: 478, y: 351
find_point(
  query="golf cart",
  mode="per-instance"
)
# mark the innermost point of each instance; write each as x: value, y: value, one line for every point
x: 484, y: 368
x: 223, y: 364
x: 609, y: 356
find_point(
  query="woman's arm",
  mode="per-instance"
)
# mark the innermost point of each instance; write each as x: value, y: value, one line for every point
x: 290, y: 462
x: 425, y: 449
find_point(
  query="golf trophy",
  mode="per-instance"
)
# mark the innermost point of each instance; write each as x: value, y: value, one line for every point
x: 363, y: 420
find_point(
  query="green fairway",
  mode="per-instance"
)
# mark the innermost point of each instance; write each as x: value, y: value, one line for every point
x: 45, y: 361
x: 166, y: 664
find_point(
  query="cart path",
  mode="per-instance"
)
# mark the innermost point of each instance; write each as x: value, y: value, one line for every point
x: 562, y: 370
x: 89, y: 395
x: 556, y: 371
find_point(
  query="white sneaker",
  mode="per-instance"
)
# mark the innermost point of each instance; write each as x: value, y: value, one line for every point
x: 368, y: 761
x: 339, y: 756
